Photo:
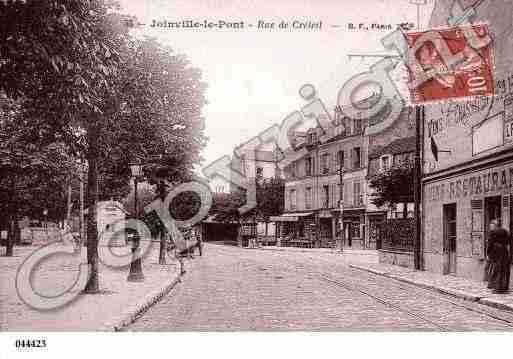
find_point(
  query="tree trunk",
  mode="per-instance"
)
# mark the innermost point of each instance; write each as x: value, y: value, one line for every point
x: 239, y: 234
x: 162, y: 253
x: 9, y: 248
x: 405, y: 210
x: 17, y: 229
x: 93, y: 285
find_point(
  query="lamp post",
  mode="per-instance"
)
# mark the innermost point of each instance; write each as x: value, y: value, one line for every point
x: 136, y: 273
x: 45, y: 215
x: 341, y: 208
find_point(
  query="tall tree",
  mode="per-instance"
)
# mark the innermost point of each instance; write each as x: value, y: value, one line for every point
x: 108, y: 97
x: 61, y: 56
x: 33, y: 172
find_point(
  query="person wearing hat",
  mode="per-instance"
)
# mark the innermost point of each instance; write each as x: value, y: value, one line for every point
x: 499, y: 252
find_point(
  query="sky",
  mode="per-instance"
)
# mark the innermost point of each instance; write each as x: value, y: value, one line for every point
x: 254, y: 75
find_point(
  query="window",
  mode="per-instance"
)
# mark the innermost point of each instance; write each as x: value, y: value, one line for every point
x: 293, y: 199
x: 325, y: 163
x: 293, y: 170
x: 357, y: 126
x: 340, y: 159
x: 357, y: 157
x: 308, y: 166
x: 358, y: 195
x: 384, y: 163
x: 308, y: 198
x: 340, y: 194
x: 312, y: 138
x: 326, y: 196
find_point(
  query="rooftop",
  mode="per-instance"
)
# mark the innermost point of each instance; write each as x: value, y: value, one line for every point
x: 401, y: 145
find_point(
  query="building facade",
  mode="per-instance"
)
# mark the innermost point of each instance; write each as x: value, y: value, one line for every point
x: 468, y: 161
x: 313, y: 185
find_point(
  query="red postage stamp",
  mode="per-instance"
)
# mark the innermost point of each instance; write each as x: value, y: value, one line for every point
x: 450, y: 64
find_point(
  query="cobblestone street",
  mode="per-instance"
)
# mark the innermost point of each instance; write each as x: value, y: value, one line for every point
x: 239, y: 289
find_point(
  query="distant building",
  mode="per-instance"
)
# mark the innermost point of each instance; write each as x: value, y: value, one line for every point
x: 400, y: 152
x: 313, y: 192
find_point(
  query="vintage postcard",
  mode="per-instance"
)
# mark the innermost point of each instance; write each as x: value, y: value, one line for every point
x: 253, y: 166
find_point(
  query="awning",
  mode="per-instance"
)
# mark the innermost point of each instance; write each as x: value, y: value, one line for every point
x: 289, y: 217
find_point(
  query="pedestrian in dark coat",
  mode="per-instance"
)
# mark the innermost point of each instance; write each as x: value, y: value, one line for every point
x: 499, y: 255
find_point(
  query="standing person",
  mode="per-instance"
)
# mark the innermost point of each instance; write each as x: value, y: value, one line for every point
x: 499, y: 256
x: 200, y: 241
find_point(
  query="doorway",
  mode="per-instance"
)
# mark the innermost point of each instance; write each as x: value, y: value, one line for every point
x: 348, y: 235
x: 450, y: 231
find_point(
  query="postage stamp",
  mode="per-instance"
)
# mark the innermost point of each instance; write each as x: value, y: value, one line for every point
x: 450, y: 63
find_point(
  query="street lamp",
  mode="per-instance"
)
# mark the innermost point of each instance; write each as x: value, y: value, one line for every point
x: 45, y: 214
x: 341, y: 208
x: 136, y: 273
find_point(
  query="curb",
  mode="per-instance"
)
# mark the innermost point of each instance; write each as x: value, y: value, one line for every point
x: 309, y: 250
x: 443, y: 290
x: 136, y: 311
x: 496, y: 304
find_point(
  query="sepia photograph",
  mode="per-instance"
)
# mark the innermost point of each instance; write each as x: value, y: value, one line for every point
x: 220, y: 175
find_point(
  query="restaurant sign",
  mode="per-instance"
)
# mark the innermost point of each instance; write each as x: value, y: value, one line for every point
x: 494, y: 180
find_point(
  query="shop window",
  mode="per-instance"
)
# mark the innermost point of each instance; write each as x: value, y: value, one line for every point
x: 355, y: 230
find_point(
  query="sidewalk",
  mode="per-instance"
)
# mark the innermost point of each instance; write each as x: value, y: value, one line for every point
x: 118, y: 304
x: 459, y: 287
x: 349, y: 251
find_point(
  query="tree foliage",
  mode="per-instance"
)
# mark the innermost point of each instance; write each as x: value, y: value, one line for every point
x: 392, y: 186
x: 270, y: 201
x: 84, y: 86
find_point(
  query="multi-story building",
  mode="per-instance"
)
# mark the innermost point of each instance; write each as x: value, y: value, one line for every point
x: 313, y: 187
x: 250, y: 165
x: 468, y: 160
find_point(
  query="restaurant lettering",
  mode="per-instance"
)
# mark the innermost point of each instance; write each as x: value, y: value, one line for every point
x: 495, y: 180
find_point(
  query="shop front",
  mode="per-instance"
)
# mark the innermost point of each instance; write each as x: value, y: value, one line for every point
x: 327, y: 228
x: 354, y: 228
x: 458, y: 210
x: 295, y: 229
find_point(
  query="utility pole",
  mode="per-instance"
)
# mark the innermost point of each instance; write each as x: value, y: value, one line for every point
x: 341, y: 204
x: 417, y: 185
